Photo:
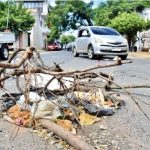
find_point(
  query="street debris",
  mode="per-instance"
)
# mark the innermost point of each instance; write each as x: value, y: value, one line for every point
x: 60, y: 101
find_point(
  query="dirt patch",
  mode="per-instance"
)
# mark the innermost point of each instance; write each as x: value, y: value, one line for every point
x: 140, y: 54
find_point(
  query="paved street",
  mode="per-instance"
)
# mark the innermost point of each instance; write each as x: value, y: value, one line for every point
x: 136, y: 72
x: 128, y: 128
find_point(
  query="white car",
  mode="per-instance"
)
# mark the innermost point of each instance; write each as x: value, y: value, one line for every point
x: 70, y: 46
x: 99, y: 40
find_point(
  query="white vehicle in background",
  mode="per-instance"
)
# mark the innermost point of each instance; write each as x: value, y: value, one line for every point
x: 99, y: 40
x: 143, y: 41
x: 6, y: 39
x: 70, y: 46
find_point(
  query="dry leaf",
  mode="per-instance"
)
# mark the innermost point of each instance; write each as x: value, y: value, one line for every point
x: 86, y: 119
x: 20, y: 117
x: 67, y: 124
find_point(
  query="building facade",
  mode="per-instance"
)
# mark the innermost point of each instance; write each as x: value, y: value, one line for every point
x: 143, y: 43
x: 37, y: 36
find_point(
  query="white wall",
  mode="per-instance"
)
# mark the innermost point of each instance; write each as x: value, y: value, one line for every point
x: 38, y: 32
x: 146, y: 13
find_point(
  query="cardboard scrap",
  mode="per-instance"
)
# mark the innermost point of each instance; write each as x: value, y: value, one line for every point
x: 20, y: 117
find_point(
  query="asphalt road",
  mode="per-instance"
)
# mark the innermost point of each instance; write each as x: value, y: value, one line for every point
x: 128, y: 128
x: 136, y: 72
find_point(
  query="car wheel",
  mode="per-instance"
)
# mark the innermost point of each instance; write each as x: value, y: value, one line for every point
x: 4, y: 53
x: 90, y: 52
x: 123, y: 57
x: 75, y: 54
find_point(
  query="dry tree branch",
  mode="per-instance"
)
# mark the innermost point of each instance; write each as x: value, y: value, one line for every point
x: 72, y: 139
x: 11, y: 58
x: 132, y: 86
x: 40, y: 70
x: 28, y: 54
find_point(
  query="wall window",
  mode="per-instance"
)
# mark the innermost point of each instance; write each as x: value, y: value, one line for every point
x: 41, y: 23
x: 34, y: 5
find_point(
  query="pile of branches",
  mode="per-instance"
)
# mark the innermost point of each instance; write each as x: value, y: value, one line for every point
x: 30, y: 63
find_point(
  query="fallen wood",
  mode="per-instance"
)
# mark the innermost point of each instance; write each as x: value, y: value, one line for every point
x: 72, y: 139
x: 28, y: 54
x: 29, y: 65
x: 132, y: 86
x: 40, y: 70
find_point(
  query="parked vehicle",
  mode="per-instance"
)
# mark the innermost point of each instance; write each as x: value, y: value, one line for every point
x: 53, y: 46
x: 99, y: 40
x: 6, y: 39
x: 143, y: 41
x: 70, y: 46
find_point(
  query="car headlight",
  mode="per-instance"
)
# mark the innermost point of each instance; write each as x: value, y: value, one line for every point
x: 97, y: 40
x: 125, y: 41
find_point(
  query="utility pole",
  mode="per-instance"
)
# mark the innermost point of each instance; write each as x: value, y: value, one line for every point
x: 7, y: 16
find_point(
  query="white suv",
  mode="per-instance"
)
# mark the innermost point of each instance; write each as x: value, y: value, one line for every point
x: 99, y: 40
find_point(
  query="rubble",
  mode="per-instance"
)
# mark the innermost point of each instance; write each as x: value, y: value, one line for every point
x: 60, y: 101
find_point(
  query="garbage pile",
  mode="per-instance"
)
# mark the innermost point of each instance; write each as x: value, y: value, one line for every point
x: 81, y: 108
x: 69, y: 99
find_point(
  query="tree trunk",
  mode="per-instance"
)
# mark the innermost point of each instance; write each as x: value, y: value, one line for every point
x: 129, y: 38
x: 72, y: 139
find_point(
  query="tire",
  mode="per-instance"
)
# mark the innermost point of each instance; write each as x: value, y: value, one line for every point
x: 123, y: 57
x: 75, y: 54
x: 4, y: 53
x: 90, y: 52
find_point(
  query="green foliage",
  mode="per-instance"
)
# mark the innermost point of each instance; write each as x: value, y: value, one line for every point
x: 67, y: 14
x: 147, y: 24
x: 67, y: 38
x: 54, y: 34
x: 19, y: 19
x: 128, y: 24
x: 112, y: 8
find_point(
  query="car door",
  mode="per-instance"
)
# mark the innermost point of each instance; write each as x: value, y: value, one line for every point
x: 78, y: 41
x: 85, y: 40
x: 82, y: 41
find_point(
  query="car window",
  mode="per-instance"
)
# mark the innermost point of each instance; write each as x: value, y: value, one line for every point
x: 83, y: 33
x: 104, y: 31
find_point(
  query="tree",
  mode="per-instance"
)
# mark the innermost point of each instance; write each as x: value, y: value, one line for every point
x: 148, y: 25
x: 128, y: 24
x: 15, y: 17
x: 67, y: 14
x: 67, y: 38
x: 108, y: 10
x: 54, y: 34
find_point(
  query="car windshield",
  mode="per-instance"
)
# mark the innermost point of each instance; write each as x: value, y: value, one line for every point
x: 104, y: 31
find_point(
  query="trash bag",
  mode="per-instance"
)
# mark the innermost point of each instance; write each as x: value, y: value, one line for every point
x: 9, y: 100
x: 96, y: 110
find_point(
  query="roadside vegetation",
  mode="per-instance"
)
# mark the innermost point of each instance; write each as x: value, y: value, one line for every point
x: 68, y: 15
x: 15, y: 18
x: 122, y: 15
x: 67, y: 38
